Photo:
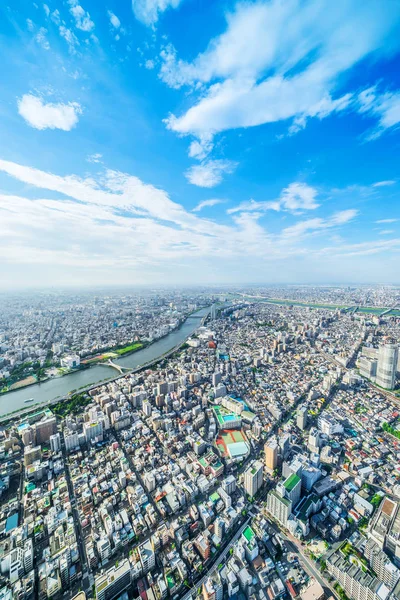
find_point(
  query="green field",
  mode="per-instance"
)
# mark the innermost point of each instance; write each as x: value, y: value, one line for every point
x: 130, y: 348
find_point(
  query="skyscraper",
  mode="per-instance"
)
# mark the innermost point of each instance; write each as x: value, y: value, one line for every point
x: 253, y: 478
x: 301, y: 417
x: 271, y: 456
x: 387, y: 366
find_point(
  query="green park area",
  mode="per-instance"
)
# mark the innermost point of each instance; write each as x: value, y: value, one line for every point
x: 130, y: 348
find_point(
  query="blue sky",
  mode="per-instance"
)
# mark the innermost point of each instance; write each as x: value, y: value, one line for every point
x: 193, y: 141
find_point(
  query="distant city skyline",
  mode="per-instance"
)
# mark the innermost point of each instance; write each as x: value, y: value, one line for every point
x: 154, y: 143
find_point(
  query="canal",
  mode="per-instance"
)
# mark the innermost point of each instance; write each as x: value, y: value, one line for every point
x: 61, y: 386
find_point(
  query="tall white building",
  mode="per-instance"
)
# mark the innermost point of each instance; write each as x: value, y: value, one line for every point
x: 388, y: 356
x: 253, y: 478
x: 55, y: 443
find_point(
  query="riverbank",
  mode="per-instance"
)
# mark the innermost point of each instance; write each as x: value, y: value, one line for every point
x: 57, y: 389
x: 101, y: 359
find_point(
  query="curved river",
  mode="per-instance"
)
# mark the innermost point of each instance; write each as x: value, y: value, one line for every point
x: 61, y: 386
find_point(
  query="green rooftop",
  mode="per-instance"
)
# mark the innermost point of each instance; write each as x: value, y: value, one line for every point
x: 248, y: 534
x: 291, y: 482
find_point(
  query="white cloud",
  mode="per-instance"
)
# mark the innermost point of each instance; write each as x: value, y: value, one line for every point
x: 41, y: 39
x: 299, y: 196
x: 48, y: 116
x: 278, y: 61
x: 253, y: 206
x: 115, y: 22
x: 205, y: 203
x: 387, y: 221
x: 148, y: 11
x: 116, y: 228
x: 314, y: 225
x: 384, y: 183
x: 69, y: 37
x: 295, y: 198
x: 386, y: 232
x: 46, y: 9
x: 94, y: 158
x: 384, y: 106
x: 210, y: 173
x: 55, y: 16
x: 30, y: 24
x: 82, y: 17
x: 149, y: 64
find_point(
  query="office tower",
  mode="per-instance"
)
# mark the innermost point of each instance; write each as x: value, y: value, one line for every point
x: 313, y: 439
x: 387, y: 366
x: 147, y: 556
x: 55, y: 443
x: 301, y: 420
x: 213, y: 313
x: 93, y: 430
x: 31, y: 454
x: 216, y: 378
x: 44, y: 429
x: 292, y: 488
x: 279, y: 507
x: 271, y: 456
x: 253, y: 478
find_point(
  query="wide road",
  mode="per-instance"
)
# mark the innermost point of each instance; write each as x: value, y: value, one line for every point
x: 220, y: 558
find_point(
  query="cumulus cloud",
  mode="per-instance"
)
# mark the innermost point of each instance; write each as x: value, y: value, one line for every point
x: 279, y: 61
x: 149, y: 11
x: 41, y: 115
x: 210, y: 173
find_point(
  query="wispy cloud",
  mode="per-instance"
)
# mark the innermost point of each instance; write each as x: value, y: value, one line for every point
x: 385, y: 183
x: 94, y: 158
x: 206, y: 203
x: 115, y: 22
x: 387, y: 221
x: 149, y: 11
x: 297, y: 197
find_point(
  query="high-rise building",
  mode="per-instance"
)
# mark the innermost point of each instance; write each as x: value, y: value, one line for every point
x: 55, y: 443
x: 212, y: 587
x: 44, y: 429
x: 292, y: 488
x: 388, y: 356
x: 279, y: 507
x: 301, y: 420
x: 271, y: 455
x: 381, y: 564
x: 253, y: 478
x: 357, y: 584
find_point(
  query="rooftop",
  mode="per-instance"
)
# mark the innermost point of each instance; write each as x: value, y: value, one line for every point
x: 291, y: 482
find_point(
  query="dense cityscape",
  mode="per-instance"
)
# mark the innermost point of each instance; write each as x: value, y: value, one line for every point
x: 258, y: 458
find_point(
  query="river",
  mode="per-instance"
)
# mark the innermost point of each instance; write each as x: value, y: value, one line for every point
x: 61, y: 386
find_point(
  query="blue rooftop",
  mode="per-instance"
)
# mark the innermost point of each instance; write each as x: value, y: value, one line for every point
x: 12, y: 523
